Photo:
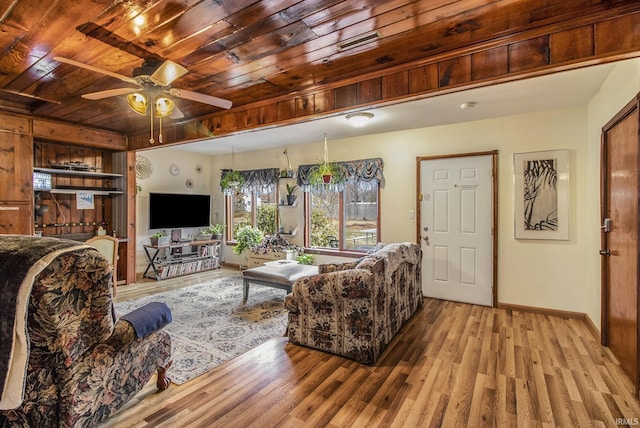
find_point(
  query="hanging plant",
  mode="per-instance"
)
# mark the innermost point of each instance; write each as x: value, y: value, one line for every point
x: 231, y: 179
x: 326, y: 172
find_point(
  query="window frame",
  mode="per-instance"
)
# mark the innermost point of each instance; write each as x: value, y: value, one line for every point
x: 228, y: 202
x: 341, y: 250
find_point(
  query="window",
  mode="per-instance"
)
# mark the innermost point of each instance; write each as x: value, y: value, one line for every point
x: 345, y: 220
x: 255, y: 204
x: 345, y: 216
x: 256, y: 208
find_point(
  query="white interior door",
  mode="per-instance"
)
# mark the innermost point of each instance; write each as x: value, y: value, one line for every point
x: 456, y: 222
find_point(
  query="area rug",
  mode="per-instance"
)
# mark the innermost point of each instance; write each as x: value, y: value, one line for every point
x: 211, y: 324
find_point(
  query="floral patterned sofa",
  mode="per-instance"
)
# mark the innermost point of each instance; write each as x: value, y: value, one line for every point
x: 78, y: 364
x: 354, y: 309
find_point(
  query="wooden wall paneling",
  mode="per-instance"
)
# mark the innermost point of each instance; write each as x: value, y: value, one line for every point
x: 395, y: 85
x: 66, y: 133
x: 529, y: 54
x: 346, y: 96
x: 304, y: 105
x: 324, y: 101
x: 369, y: 91
x: 16, y: 218
x: 269, y: 113
x: 490, y: 63
x: 423, y: 79
x: 286, y: 109
x: 618, y: 34
x: 16, y: 179
x: 571, y: 44
x: 454, y: 72
x: 15, y: 124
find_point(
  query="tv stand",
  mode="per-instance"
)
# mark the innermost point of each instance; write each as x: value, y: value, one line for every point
x: 183, y: 258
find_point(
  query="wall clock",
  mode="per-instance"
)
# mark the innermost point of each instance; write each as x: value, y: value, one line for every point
x: 174, y: 169
x: 143, y: 167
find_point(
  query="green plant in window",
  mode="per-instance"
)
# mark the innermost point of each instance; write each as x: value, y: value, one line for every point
x: 247, y: 237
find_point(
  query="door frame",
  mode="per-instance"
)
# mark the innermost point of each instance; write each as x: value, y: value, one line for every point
x: 494, y: 209
x: 631, y: 107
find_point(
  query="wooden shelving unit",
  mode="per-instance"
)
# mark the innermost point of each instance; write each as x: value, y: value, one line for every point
x: 181, y: 258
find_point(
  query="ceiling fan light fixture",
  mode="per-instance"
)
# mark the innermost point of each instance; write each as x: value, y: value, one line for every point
x: 359, y: 119
x: 138, y: 103
x: 164, y: 106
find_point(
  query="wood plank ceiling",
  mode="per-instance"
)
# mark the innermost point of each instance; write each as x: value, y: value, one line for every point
x: 245, y: 51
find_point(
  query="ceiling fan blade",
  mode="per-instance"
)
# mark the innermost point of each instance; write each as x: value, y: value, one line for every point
x: 176, y: 113
x: 109, y: 93
x: 168, y: 72
x: 96, y: 69
x: 33, y: 97
x: 201, y: 98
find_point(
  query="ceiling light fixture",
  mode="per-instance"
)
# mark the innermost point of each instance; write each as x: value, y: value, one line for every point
x: 468, y: 105
x: 359, y: 119
x: 138, y: 102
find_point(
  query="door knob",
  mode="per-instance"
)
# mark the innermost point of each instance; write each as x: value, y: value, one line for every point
x: 605, y: 252
x: 426, y: 239
x: 426, y: 229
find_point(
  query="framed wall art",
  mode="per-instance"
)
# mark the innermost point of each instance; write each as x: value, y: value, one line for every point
x: 541, y: 182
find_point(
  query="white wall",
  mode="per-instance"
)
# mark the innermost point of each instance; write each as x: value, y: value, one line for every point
x: 561, y: 275
x: 163, y: 182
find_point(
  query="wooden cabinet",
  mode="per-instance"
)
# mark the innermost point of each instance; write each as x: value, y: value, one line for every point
x: 16, y: 188
x: 15, y: 167
x: 16, y: 218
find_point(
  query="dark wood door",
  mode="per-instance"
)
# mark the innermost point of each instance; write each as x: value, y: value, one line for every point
x: 620, y: 192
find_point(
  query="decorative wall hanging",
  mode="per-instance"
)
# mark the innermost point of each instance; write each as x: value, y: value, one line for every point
x: 541, y: 202
x: 144, y: 169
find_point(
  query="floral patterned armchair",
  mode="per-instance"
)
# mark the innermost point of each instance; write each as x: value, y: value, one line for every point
x: 80, y: 364
x: 355, y: 309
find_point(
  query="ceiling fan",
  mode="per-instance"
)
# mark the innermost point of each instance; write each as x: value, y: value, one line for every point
x: 153, y: 89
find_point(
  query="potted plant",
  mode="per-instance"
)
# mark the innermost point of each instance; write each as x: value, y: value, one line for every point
x: 231, y: 179
x: 325, y: 173
x: 305, y: 259
x: 216, y: 230
x: 247, y: 237
x: 159, y: 238
x: 291, y: 198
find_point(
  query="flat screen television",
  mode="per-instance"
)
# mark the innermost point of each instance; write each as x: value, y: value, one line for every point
x: 176, y: 210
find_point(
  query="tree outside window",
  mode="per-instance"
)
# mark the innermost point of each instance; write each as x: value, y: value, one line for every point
x: 256, y: 208
x: 346, y: 220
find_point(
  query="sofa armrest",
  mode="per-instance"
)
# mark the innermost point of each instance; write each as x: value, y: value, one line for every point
x: 338, y: 266
x: 148, y: 318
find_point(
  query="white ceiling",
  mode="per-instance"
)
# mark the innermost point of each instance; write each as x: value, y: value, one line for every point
x: 559, y: 90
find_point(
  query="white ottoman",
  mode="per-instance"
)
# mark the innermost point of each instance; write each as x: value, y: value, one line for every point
x: 278, y: 277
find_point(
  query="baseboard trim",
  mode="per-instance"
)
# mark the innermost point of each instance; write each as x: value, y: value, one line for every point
x: 595, y: 332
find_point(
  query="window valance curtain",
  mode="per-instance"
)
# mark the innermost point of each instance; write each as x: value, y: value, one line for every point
x: 362, y: 170
x: 260, y: 180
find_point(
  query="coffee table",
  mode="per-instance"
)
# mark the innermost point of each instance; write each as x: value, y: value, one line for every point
x: 277, y: 275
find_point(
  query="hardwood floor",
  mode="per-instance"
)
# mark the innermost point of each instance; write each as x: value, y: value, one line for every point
x: 452, y: 364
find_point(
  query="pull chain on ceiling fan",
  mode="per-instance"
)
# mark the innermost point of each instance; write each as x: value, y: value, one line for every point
x: 153, y: 91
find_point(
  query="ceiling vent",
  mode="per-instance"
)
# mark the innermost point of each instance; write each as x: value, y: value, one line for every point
x: 360, y: 40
